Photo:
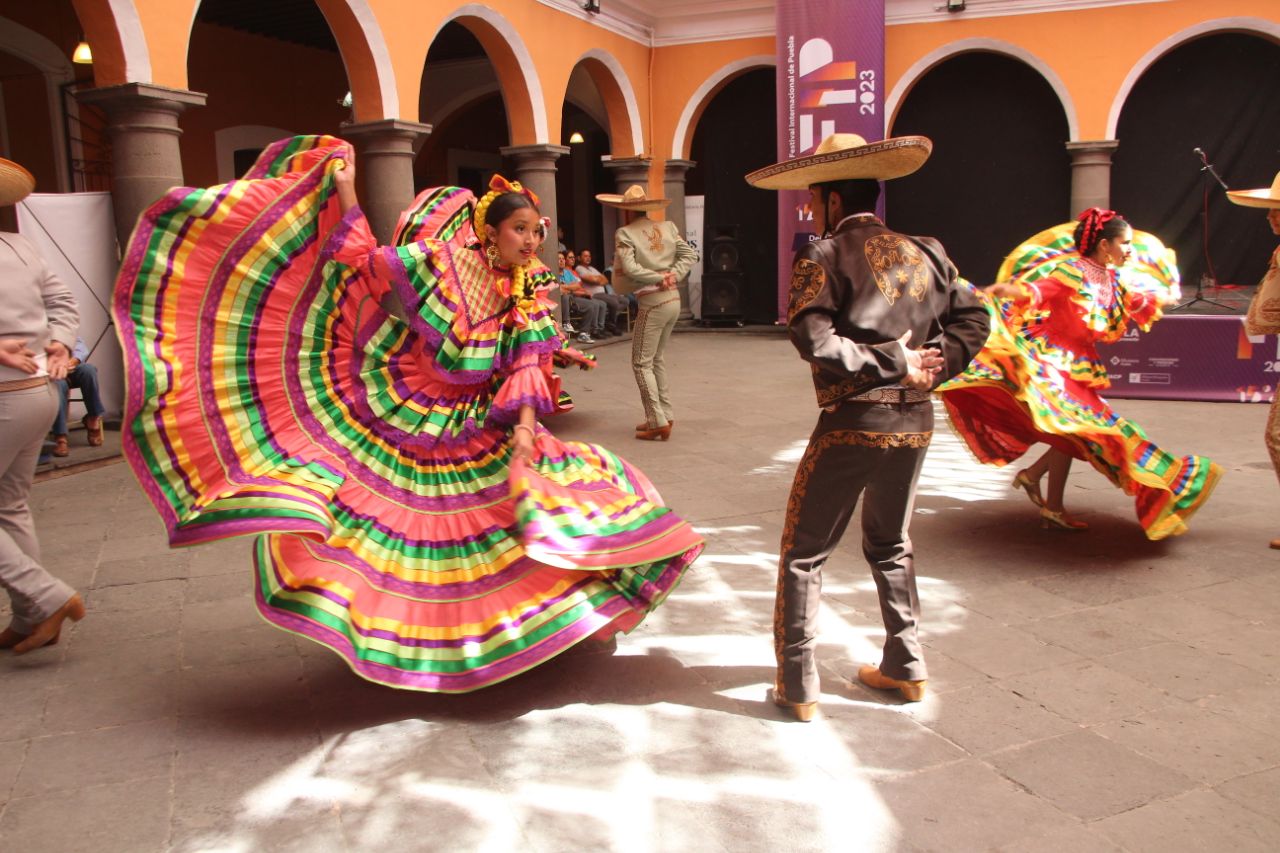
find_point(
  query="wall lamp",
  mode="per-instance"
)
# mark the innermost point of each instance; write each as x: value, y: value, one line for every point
x: 591, y: 6
x: 955, y: 5
x: 82, y: 55
x: 576, y: 138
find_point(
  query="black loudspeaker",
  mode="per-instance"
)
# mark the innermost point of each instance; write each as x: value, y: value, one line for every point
x: 722, y: 250
x: 722, y: 296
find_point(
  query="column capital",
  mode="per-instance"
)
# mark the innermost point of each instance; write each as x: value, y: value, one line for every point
x: 531, y: 155
x: 676, y: 168
x: 392, y: 128
x: 1091, y: 146
x: 126, y: 96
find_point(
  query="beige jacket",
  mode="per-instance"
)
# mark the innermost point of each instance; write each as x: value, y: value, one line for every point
x: 644, y: 249
x: 34, y: 304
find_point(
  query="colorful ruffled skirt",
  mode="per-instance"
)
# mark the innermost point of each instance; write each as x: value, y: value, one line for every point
x: 1008, y: 400
x: 269, y: 395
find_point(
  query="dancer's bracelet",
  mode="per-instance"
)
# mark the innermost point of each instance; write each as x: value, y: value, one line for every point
x: 526, y: 426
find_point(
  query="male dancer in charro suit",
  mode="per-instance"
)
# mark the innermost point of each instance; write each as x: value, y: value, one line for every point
x: 859, y: 298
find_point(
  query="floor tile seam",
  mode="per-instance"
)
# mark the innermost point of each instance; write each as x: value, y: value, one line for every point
x: 1270, y: 817
x: 1194, y: 705
x: 66, y: 791
x: 22, y: 763
x: 1169, y: 798
x: 1264, y: 673
x: 1143, y: 754
x: 1026, y: 790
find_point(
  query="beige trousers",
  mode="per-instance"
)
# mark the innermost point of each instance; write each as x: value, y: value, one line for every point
x: 657, y: 317
x: 25, y: 417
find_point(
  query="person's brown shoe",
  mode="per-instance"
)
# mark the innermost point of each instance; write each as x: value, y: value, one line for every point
x: 93, y: 428
x: 10, y: 638
x: 48, y: 631
x: 1275, y: 543
x: 912, y: 691
x: 802, y: 711
x: 60, y: 446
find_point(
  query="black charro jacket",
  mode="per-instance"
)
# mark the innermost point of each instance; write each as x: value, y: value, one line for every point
x: 854, y: 293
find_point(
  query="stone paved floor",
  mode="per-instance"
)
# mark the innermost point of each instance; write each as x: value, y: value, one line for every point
x: 1090, y: 692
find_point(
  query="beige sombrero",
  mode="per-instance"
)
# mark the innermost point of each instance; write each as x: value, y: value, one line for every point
x: 844, y: 157
x: 1258, y: 198
x: 635, y: 198
x: 16, y: 183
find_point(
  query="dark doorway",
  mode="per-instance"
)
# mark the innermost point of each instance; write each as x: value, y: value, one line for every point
x: 999, y: 171
x: 735, y: 135
x: 1219, y: 94
x: 580, y: 175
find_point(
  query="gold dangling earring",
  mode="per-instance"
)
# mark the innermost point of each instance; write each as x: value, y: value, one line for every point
x: 491, y: 252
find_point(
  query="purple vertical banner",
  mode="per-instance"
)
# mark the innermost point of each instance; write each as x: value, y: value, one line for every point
x: 830, y: 80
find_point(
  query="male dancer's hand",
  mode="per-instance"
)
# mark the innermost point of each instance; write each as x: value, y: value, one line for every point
x: 14, y: 353
x: 923, y: 365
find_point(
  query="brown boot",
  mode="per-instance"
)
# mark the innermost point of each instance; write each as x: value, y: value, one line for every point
x: 60, y: 446
x: 912, y: 691
x: 48, y: 631
x: 10, y: 638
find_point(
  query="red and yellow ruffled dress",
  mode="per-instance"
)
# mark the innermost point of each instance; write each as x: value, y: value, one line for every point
x: 1038, y: 377
x: 270, y: 393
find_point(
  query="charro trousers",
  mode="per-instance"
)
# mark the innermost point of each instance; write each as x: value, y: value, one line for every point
x: 658, y: 313
x: 35, y: 594
x: 866, y: 451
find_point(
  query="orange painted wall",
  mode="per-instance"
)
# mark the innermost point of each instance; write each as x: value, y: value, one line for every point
x: 1092, y: 50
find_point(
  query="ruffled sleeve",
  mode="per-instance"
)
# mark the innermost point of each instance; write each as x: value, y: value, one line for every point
x: 352, y: 246
x: 527, y: 384
x: 1142, y: 309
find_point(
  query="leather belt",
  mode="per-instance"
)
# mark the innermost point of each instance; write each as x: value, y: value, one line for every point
x: 22, y: 384
x: 893, y: 394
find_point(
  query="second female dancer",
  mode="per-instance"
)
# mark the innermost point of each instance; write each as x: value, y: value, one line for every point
x: 1038, y: 378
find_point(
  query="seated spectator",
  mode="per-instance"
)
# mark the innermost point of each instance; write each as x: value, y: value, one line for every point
x: 597, y: 286
x: 82, y: 375
x: 573, y: 294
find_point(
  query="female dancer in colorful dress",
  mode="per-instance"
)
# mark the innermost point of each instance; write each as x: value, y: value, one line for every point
x: 410, y: 512
x: 1038, y: 377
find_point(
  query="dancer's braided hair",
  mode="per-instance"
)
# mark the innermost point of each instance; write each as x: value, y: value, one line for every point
x: 1096, y: 225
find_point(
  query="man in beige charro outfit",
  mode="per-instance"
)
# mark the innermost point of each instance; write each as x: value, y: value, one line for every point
x: 38, y: 321
x: 649, y: 260
x: 858, y: 298
x: 1264, y: 311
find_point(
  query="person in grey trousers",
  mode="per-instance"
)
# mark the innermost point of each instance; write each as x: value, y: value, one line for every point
x: 38, y: 322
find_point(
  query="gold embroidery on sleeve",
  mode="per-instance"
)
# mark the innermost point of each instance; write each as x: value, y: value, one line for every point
x: 807, y: 280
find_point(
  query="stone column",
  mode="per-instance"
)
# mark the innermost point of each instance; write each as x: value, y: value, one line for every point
x: 1090, y: 174
x: 384, y: 156
x: 626, y: 171
x: 146, y: 159
x: 673, y: 187
x: 534, y: 166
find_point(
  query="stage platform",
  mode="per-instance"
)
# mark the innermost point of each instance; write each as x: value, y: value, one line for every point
x: 1198, y: 351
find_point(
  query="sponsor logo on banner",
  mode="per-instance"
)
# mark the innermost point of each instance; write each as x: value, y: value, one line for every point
x: 1163, y: 362
x: 1131, y: 336
x: 1117, y: 361
x: 1150, y: 378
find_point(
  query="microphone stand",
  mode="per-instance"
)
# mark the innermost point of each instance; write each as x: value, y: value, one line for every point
x: 1211, y: 275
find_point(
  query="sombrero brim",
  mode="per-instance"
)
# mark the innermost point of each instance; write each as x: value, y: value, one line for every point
x: 647, y: 204
x: 1254, y: 198
x: 16, y: 183
x: 881, y: 161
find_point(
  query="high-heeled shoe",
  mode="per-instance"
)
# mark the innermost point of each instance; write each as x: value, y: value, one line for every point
x: 802, y: 711
x: 48, y: 631
x: 657, y: 434
x: 1032, y: 487
x: 1060, y: 521
x: 645, y: 425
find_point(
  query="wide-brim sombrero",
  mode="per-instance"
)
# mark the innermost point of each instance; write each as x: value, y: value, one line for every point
x: 16, y: 183
x: 845, y: 157
x: 1267, y: 197
x: 635, y: 198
